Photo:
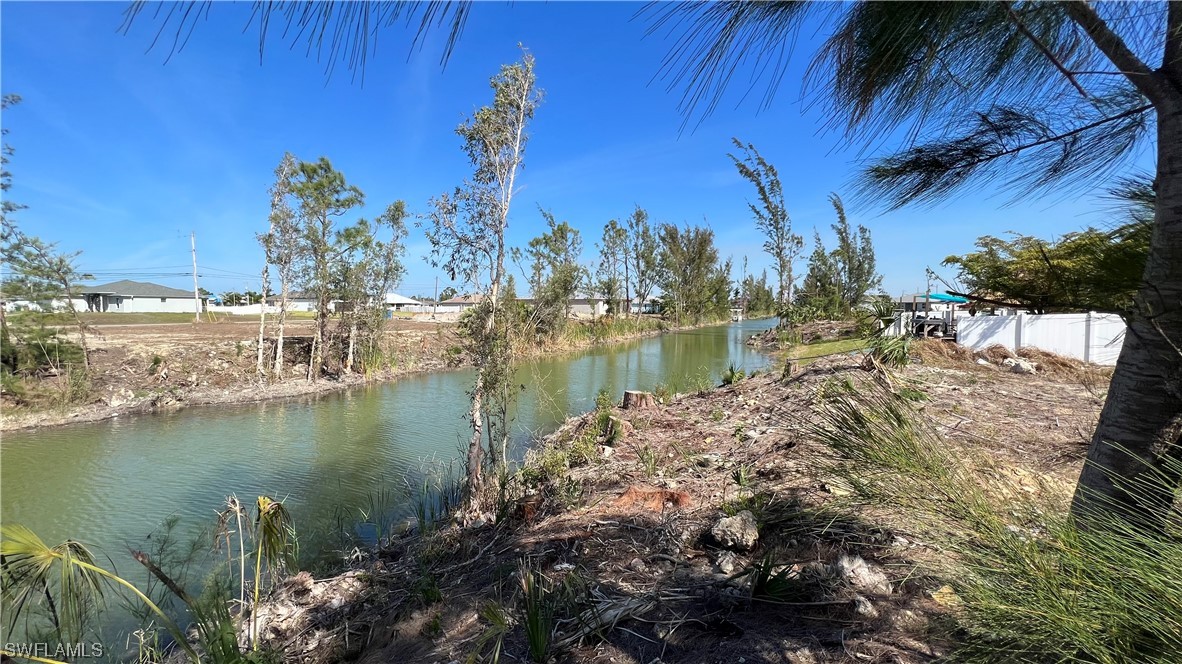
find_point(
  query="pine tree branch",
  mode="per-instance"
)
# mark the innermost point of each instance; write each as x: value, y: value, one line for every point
x: 1059, y: 137
x: 1043, y: 48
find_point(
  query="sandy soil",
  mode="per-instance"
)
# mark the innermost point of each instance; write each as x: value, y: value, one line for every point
x: 629, y: 533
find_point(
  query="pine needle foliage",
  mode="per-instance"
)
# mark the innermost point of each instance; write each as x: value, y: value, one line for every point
x: 1033, y: 586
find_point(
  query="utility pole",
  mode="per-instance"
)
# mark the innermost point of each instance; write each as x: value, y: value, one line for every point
x: 196, y: 291
x: 435, y: 305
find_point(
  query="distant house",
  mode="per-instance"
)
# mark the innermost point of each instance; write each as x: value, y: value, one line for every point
x: 459, y: 303
x: 402, y: 303
x: 588, y: 306
x: 126, y: 296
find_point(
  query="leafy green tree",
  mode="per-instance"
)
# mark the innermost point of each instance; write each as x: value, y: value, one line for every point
x: 1091, y: 270
x: 696, y: 286
x: 819, y: 296
x: 323, y: 196
x: 1039, y: 96
x: 854, y: 257
x: 757, y: 296
x: 644, y: 253
x: 771, y: 215
x: 611, y: 276
x: 555, y: 273
x: 369, y: 266
x: 467, y: 237
x: 231, y: 298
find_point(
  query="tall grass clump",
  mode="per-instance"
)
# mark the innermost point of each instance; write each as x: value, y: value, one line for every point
x: 1032, y: 586
x: 890, y: 352
x: 733, y: 374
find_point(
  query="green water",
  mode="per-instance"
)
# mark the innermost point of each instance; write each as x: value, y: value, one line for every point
x: 110, y: 484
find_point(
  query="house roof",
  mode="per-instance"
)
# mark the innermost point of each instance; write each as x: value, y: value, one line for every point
x: 128, y: 288
x: 464, y: 299
x: 395, y: 298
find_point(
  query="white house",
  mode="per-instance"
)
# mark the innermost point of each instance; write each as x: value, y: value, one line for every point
x: 126, y: 296
x: 402, y: 303
x: 300, y: 301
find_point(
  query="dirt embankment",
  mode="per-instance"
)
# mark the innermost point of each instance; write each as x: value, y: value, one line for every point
x: 698, y: 531
x: 805, y: 333
x: 156, y: 367
x: 150, y: 367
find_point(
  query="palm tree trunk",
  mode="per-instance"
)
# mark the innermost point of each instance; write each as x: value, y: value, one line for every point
x: 1139, y: 427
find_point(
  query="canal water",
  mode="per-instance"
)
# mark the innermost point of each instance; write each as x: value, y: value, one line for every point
x: 333, y: 459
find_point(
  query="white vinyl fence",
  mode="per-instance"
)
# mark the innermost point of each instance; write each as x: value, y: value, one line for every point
x: 1095, y: 338
x: 1091, y: 337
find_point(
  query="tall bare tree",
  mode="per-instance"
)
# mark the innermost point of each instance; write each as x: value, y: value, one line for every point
x: 467, y: 234
x: 282, y: 246
x: 1037, y: 95
x: 273, y: 252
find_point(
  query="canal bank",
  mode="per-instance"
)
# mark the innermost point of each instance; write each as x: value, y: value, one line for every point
x: 337, y: 459
x: 143, y: 369
x: 699, y: 531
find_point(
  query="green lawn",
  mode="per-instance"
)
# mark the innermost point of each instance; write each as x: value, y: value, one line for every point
x: 805, y: 353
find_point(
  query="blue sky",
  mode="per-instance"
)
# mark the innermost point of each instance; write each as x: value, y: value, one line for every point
x: 121, y: 155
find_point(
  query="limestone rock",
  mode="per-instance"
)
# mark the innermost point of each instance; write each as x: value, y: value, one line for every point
x: 1019, y: 365
x: 739, y: 532
x: 727, y: 562
x: 862, y: 576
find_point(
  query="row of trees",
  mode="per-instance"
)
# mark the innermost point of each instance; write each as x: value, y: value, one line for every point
x: 635, y: 259
x: 837, y: 280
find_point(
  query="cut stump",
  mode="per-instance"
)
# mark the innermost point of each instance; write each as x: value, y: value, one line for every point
x: 634, y: 399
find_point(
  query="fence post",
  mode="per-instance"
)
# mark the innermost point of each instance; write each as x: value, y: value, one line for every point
x: 1018, y: 332
x: 1087, y: 354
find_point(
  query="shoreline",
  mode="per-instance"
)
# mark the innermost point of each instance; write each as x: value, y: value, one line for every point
x: 119, y: 400
x: 641, y: 512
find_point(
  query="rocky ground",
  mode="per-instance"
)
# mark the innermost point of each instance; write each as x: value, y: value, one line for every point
x: 699, y: 531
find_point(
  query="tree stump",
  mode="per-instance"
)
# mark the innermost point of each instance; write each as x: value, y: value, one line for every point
x: 790, y: 368
x: 636, y: 400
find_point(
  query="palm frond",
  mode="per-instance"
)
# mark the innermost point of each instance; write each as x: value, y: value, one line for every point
x: 28, y: 565
x: 275, y: 532
x: 335, y: 32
